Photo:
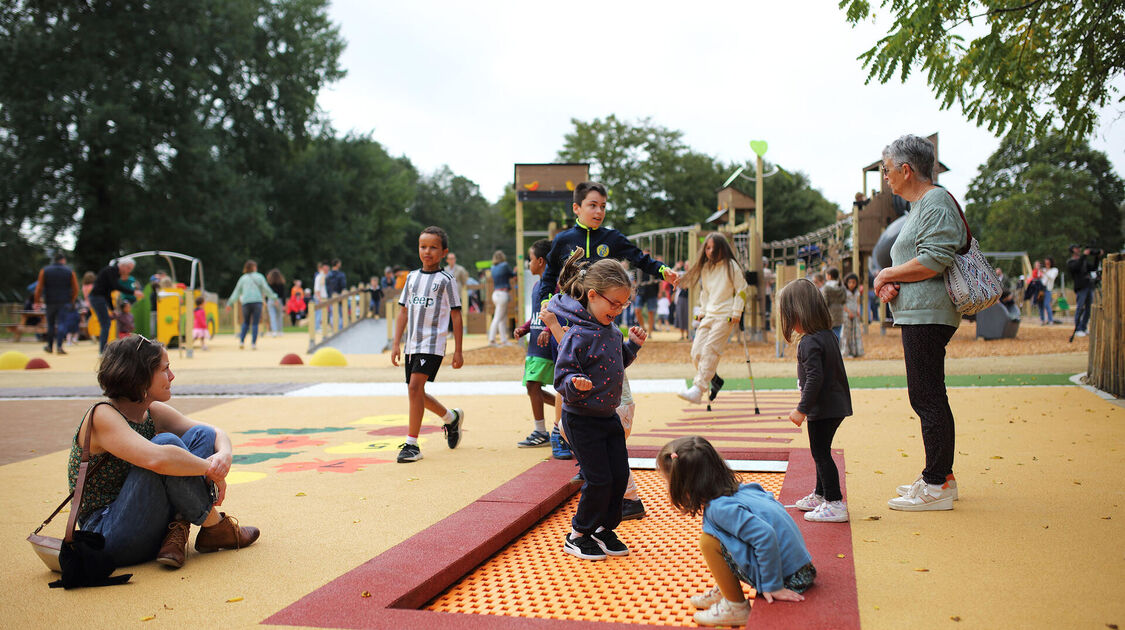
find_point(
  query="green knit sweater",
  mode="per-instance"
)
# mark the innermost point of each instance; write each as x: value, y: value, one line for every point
x: 933, y: 233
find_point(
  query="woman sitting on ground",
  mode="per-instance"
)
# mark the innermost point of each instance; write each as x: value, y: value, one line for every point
x: 165, y: 470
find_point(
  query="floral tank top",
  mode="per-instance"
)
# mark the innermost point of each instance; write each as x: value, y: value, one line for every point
x: 105, y: 484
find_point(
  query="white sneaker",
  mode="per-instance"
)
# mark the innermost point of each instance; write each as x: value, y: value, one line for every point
x: 692, y: 394
x: 829, y: 512
x: 706, y: 599
x: 724, y: 613
x: 923, y: 497
x: 810, y: 502
x: 1080, y: 333
x: 950, y: 481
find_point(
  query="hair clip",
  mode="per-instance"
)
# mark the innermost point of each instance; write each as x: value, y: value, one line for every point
x: 582, y: 273
x: 674, y: 455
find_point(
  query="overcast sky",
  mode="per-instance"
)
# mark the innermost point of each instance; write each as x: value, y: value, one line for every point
x: 482, y: 85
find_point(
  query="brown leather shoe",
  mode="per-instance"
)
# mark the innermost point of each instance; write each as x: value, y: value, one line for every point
x: 173, y: 551
x: 226, y: 534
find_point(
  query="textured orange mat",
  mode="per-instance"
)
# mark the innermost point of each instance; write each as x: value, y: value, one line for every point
x: 533, y: 577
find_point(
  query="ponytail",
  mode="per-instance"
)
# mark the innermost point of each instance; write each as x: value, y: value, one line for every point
x: 578, y: 276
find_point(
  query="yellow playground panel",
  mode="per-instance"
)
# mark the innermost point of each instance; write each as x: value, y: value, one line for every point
x: 173, y: 303
x: 170, y: 307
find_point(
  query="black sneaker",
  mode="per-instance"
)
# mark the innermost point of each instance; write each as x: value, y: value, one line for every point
x: 631, y: 509
x: 583, y: 547
x: 536, y: 439
x: 716, y: 384
x: 610, y: 543
x: 453, y: 429
x: 409, y: 453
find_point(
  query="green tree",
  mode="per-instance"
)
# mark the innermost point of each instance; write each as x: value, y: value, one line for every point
x: 136, y: 125
x: 1043, y: 197
x: 654, y: 179
x: 792, y: 206
x: 345, y: 198
x: 1018, y: 65
x: 454, y: 203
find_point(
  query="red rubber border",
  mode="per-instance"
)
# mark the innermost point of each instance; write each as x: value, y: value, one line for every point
x: 405, y: 577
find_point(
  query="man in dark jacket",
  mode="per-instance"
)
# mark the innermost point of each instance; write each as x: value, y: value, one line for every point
x: 336, y: 283
x: 1082, y: 262
x: 58, y: 289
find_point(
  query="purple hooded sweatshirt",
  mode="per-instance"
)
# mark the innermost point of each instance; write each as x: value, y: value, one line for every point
x: 595, y: 351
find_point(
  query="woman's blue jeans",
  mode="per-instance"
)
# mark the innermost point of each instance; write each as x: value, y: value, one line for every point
x: 251, y: 315
x: 135, y: 524
x: 276, y: 316
x: 1046, y: 313
x: 101, y: 310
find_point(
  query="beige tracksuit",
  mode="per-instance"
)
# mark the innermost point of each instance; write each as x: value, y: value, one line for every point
x: 721, y: 302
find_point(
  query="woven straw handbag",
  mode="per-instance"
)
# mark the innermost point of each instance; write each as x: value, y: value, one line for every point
x: 971, y: 280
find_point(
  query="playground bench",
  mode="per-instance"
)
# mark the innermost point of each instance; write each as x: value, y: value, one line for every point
x: 20, y: 329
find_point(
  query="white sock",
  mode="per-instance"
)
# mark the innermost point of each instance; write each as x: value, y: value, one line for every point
x: 741, y: 604
x: 412, y: 441
x: 541, y: 426
x: 574, y: 533
x: 448, y: 417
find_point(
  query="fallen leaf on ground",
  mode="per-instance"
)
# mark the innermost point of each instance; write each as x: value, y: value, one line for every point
x: 365, y: 594
x: 955, y: 618
x: 870, y: 540
x: 922, y: 570
x: 234, y: 599
x: 301, y: 494
x: 148, y: 618
x: 997, y: 457
x: 840, y: 555
x: 875, y: 518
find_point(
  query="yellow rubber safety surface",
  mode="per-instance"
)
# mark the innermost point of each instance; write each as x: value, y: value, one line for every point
x: 534, y: 577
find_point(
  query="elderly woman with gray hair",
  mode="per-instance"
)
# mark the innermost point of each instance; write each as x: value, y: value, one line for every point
x: 915, y: 288
x: 113, y: 277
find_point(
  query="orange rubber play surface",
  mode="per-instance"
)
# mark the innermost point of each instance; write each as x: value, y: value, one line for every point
x: 533, y: 577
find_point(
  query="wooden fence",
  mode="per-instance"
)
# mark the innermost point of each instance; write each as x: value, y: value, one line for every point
x: 1106, y: 365
x: 346, y: 308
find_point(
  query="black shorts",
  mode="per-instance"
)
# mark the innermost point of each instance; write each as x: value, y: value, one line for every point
x: 427, y: 364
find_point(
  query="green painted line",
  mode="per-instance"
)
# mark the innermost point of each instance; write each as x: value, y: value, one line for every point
x: 876, y: 382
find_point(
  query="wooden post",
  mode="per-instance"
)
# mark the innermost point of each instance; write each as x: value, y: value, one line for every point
x: 519, y: 260
x: 693, y: 291
x: 311, y: 317
x: 756, y: 240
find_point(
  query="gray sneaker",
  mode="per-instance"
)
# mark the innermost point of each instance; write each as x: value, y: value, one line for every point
x: 409, y: 453
x: 535, y: 440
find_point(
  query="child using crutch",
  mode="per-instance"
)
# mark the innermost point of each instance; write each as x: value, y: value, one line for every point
x: 825, y: 396
x: 747, y: 535
x: 589, y: 372
x: 720, y: 296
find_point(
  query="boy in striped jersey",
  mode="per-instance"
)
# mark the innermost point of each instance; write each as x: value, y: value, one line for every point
x: 428, y: 297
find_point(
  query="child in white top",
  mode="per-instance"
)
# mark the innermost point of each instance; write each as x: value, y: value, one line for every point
x: 721, y: 296
x: 428, y: 298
